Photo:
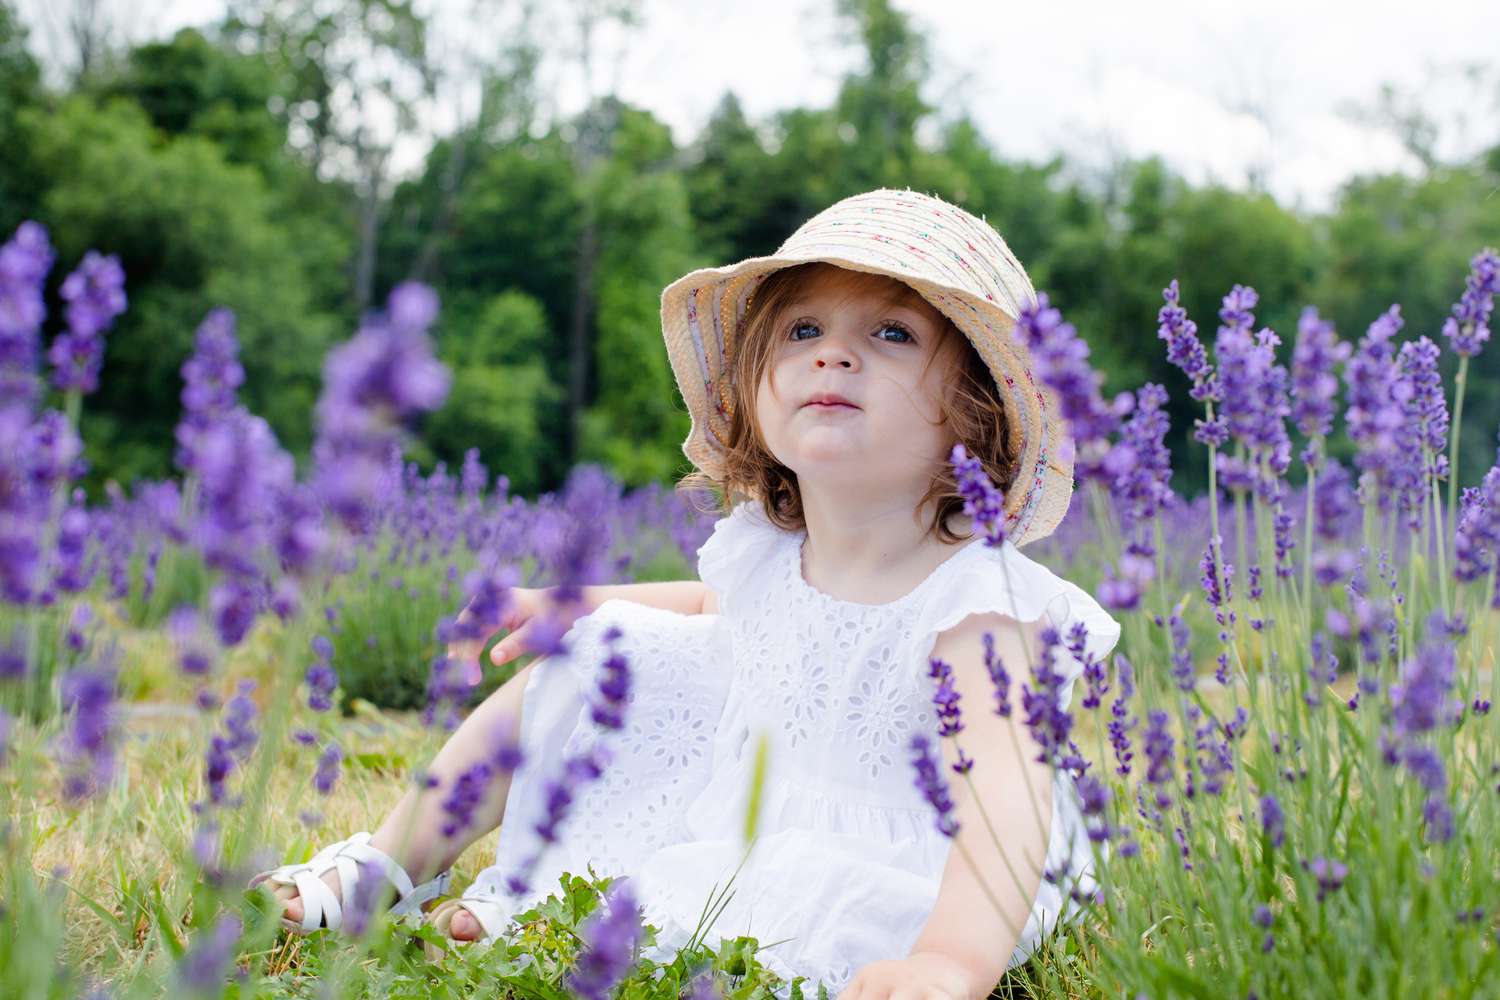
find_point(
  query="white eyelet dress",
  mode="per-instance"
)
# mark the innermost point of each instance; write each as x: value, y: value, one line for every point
x: 848, y: 859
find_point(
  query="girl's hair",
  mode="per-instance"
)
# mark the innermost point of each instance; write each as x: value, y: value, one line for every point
x: 969, y: 405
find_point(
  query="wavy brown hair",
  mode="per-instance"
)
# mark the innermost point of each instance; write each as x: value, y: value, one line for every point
x: 969, y: 404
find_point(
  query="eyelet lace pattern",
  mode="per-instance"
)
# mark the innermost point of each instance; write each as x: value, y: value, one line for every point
x: 847, y: 860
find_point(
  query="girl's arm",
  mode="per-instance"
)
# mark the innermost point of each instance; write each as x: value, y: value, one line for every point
x: 688, y: 597
x: 965, y: 926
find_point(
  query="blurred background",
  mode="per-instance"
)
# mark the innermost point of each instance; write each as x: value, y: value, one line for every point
x: 549, y: 168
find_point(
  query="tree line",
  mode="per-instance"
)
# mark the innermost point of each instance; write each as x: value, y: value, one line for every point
x: 235, y: 166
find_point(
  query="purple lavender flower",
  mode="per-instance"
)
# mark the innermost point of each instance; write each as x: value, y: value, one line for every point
x: 1047, y: 720
x: 447, y: 689
x: 510, y: 753
x: 1272, y: 820
x: 1477, y: 538
x: 1119, y: 592
x: 1314, y: 385
x: 1059, y: 357
x: 1329, y: 873
x: 1121, y: 722
x: 1438, y: 817
x: 465, y: 797
x: 983, y: 501
x: 1262, y: 918
x: 1183, y: 347
x: 242, y: 470
x: 185, y: 625
x: 362, y: 904
x: 1210, y: 581
x: 298, y: 533
x: 931, y: 784
x: 1420, y: 702
x: 1426, y: 765
x: 24, y: 262
x: 702, y: 985
x: 1374, y: 415
x: 204, y: 967
x: 218, y: 765
x: 327, y: 774
x: 1215, y: 759
x: 1158, y: 744
x: 473, y: 476
x: 76, y: 634
x: 1335, y: 508
x: 577, y: 554
x: 1239, y: 362
x: 71, y: 573
x: 559, y: 794
x: 1144, y: 483
x: 384, y: 374
x: 95, y: 294
x: 13, y: 663
x: 1096, y: 683
x: 1184, y: 672
x: 1093, y: 796
x: 88, y: 742
x: 54, y: 452
x: 1468, y: 328
x: 233, y: 605
x: 610, y: 942
x: 1424, y: 431
x: 945, y: 698
x: 212, y: 376
x: 614, y: 686
x: 999, y: 676
x: 322, y: 679
x: 240, y: 715
x: 1254, y: 387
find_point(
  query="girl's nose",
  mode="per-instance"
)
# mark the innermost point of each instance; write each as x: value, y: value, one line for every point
x: 833, y: 352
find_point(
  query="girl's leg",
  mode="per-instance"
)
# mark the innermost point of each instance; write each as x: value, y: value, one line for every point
x: 412, y: 832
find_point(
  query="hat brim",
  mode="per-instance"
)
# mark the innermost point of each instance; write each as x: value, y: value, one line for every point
x: 702, y: 312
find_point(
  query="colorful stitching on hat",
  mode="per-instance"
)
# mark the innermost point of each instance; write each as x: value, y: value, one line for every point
x: 977, y: 281
x: 696, y: 333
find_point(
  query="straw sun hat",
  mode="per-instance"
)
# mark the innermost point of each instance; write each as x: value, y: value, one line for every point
x: 956, y: 261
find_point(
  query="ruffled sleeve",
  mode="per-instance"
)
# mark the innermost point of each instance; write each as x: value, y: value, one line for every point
x: 1004, y: 580
x: 742, y: 546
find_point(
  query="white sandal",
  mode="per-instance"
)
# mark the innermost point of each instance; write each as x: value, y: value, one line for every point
x: 321, y: 908
x: 482, y: 902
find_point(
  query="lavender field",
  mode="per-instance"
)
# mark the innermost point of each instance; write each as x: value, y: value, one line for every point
x: 1289, y: 767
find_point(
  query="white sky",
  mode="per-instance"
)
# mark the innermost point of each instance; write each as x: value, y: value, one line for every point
x: 1093, y: 80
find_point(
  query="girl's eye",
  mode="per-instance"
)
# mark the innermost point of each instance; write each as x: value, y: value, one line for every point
x: 906, y: 335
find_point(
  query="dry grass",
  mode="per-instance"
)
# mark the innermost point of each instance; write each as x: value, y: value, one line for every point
x: 142, y: 830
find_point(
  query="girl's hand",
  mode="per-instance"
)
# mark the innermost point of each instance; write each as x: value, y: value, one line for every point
x: 521, y: 610
x: 923, y: 975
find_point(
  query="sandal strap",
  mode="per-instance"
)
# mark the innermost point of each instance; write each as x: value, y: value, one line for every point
x: 321, y: 905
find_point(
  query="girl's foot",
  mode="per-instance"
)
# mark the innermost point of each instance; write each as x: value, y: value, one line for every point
x: 463, y: 928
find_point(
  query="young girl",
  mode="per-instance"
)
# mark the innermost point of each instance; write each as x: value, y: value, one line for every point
x: 827, y: 386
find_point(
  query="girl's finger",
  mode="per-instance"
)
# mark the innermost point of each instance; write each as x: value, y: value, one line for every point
x: 510, y: 647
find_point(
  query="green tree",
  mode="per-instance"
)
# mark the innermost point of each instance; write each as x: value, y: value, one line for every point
x: 637, y: 421
x: 20, y: 88
x: 501, y: 390
x: 880, y: 105
x: 1395, y: 239
x: 193, y: 232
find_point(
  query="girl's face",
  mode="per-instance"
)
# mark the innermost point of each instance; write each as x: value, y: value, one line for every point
x: 888, y: 361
